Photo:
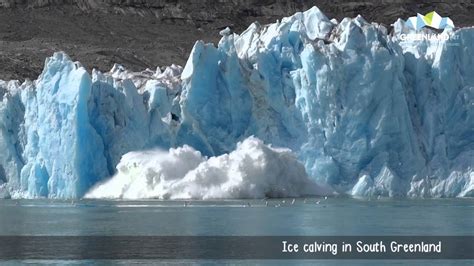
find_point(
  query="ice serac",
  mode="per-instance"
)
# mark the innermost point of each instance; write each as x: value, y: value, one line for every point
x: 252, y: 170
x: 11, y: 114
x: 133, y: 111
x: 63, y: 154
x: 64, y: 132
x: 366, y: 112
x: 441, y: 95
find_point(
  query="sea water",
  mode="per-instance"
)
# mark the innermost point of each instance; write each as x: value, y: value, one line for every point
x: 282, y: 217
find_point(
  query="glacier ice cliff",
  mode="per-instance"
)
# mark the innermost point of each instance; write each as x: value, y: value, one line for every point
x: 367, y: 112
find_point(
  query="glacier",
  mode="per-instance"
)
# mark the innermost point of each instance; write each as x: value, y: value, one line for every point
x: 366, y: 111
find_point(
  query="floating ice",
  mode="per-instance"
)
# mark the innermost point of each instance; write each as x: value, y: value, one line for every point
x: 253, y: 170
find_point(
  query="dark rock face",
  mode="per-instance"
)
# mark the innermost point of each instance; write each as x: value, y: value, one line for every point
x: 148, y: 33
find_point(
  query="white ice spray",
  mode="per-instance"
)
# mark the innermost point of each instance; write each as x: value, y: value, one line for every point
x: 253, y: 170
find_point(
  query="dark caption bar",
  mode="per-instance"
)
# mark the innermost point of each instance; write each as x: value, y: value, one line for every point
x: 227, y: 247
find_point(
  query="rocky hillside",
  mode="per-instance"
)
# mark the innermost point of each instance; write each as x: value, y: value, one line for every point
x: 148, y: 33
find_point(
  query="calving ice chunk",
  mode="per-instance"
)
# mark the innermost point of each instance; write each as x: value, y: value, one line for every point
x: 367, y: 113
x: 253, y: 170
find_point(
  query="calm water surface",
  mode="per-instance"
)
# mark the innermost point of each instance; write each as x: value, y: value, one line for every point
x: 334, y: 216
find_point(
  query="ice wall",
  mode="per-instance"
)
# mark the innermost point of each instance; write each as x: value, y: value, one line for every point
x: 51, y: 148
x: 67, y: 130
x: 366, y: 112
x: 440, y: 94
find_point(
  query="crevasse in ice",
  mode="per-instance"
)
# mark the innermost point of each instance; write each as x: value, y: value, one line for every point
x: 366, y: 112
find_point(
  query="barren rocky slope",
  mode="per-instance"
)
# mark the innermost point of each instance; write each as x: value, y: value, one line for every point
x: 148, y: 33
